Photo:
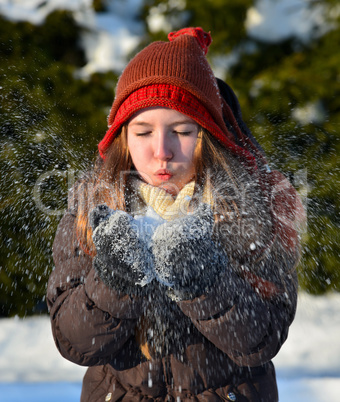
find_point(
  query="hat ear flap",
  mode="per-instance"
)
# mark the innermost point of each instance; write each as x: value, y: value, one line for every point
x: 230, y: 98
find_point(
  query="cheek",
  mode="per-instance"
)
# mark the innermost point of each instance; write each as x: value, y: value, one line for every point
x: 139, y: 152
x: 188, y: 149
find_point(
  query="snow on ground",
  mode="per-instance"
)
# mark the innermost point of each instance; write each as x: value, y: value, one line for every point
x: 28, y: 353
x: 308, y: 365
x: 313, y: 346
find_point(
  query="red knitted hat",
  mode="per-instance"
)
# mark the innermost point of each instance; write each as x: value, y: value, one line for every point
x: 177, y: 75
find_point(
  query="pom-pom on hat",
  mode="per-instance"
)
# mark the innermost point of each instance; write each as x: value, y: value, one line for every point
x: 177, y: 75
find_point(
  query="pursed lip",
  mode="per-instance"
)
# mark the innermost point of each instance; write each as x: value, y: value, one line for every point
x: 164, y: 174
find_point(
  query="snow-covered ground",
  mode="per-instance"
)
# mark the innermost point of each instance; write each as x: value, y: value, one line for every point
x: 308, y: 365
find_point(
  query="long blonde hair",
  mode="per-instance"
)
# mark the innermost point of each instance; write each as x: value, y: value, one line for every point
x: 105, y: 185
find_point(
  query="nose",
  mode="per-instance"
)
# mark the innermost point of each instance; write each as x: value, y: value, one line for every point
x: 162, y: 147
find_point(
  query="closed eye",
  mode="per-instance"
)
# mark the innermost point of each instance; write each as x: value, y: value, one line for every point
x: 182, y: 132
x: 143, y: 134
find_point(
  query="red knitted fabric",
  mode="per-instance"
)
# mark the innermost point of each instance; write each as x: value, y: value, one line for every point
x: 172, y: 98
x: 203, y: 38
x: 174, y: 74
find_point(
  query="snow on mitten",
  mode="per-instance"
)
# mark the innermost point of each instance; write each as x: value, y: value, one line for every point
x: 123, y: 260
x: 187, y: 259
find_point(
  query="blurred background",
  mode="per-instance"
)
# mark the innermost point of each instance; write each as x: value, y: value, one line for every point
x: 59, y: 64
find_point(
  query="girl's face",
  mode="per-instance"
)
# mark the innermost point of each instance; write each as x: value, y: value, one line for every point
x: 161, y: 143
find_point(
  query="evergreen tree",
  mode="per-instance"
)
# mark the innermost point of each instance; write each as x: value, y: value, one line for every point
x: 291, y: 99
x: 50, y: 124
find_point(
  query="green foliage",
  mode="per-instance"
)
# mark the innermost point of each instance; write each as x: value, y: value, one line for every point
x: 226, y: 19
x: 294, y: 109
x: 99, y: 5
x: 50, y: 124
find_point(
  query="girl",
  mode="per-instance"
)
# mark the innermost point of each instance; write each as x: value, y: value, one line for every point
x: 175, y: 263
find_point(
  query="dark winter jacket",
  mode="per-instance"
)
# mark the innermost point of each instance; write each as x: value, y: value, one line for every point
x: 223, y: 341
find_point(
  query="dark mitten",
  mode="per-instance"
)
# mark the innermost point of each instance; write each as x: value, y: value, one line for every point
x: 187, y: 259
x: 99, y: 214
x: 123, y: 260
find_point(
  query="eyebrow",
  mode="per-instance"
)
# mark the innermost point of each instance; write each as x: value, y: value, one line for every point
x: 139, y: 123
x: 176, y: 123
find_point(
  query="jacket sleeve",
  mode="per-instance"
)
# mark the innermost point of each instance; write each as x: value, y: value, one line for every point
x: 249, y: 312
x: 90, y: 322
x: 239, y: 320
